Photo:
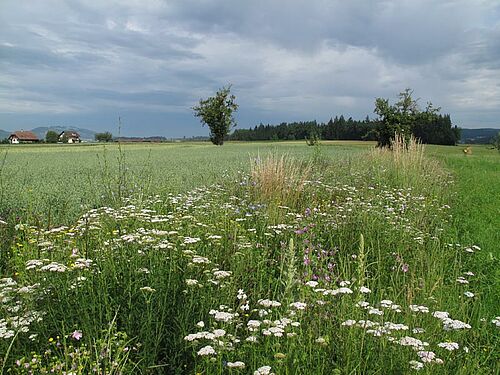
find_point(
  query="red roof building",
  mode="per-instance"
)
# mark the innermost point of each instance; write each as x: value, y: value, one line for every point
x: 23, y: 137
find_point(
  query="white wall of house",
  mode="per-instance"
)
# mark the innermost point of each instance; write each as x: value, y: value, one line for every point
x: 14, y: 140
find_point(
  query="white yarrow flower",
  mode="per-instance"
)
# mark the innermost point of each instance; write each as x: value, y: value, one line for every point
x: 449, y: 345
x: 237, y: 364
x: 207, y: 350
x: 299, y: 305
x: 264, y: 370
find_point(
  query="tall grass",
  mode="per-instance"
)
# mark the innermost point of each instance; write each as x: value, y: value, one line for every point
x: 278, y: 178
x: 405, y: 164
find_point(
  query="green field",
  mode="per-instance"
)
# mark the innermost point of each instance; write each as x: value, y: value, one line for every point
x: 189, y: 258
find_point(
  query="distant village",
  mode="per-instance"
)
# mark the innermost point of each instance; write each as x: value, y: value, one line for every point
x: 24, y: 136
x: 73, y: 137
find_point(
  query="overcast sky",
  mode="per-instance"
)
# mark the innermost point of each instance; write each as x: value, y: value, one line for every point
x: 84, y: 63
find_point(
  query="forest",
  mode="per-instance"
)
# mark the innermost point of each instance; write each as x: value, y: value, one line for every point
x: 436, y: 129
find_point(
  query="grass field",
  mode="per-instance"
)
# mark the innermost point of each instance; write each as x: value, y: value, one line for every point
x: 251, y: 258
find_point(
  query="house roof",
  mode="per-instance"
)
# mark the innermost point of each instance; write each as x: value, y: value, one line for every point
x: 25, y: 136
x: 69, y: 134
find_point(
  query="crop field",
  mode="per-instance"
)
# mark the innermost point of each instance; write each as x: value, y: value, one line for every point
x: 250, y: 258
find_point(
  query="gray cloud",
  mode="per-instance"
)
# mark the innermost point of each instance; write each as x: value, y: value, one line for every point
x: 288, y: 60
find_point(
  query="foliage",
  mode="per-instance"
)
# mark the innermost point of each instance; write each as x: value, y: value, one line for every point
x: 103, y: 137
x: 400, y: 118
x: 217, y: 113
x: 51, y: 137
x: 431, y: 129
x: 313, y: 138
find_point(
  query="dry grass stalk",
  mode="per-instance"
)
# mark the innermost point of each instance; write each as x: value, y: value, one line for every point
x: 407, y: 161
x: 407, y: 154
x: 279, y: 178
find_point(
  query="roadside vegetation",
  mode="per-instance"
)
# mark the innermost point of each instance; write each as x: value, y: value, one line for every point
x: 255, y: 259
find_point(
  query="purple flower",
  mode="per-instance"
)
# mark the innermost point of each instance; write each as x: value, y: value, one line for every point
x: 77, y: 335
x: 405, y: 267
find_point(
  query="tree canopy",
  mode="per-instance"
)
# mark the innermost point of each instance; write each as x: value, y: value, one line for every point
x: 217, y: 113
x: 51, y: 137
x: 402, y: 117
x: 103, y: 137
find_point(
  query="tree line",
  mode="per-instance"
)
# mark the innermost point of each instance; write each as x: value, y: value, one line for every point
x: 436, y: 129
x: 403, y: 118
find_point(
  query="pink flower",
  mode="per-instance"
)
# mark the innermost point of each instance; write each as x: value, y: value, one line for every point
x: 405, y: 267
x: 77, y: 335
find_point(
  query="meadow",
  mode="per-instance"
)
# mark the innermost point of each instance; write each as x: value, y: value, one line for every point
x: 251, y: 258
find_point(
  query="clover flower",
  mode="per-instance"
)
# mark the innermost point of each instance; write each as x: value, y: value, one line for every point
x: 77, y: 335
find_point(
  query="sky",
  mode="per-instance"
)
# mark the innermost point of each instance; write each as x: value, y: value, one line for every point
x: 87, y: 63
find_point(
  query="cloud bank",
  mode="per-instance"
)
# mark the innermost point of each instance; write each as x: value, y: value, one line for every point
x: 84, y: 63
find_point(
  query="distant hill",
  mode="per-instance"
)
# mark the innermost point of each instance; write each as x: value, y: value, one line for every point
x: 4, y: 134
x: 482, y: 136
x: 85, y: 134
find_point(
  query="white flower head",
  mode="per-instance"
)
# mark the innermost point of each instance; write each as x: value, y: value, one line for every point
x: 264, y: 370
x: 299, y: 305
x: 237, y: 364
x: 349, y: 323
x: 206, y: 350
x: 449, y: 345
x: 416, y: 365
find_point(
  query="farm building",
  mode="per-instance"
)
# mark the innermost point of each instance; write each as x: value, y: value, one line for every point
x: 23, y: 137
x: 69, y: 136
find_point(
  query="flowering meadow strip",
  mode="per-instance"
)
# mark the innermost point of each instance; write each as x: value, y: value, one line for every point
x: 355, y: 278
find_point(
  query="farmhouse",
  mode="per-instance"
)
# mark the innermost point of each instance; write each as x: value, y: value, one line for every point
x: 69, y: 136
x: 23, y: 137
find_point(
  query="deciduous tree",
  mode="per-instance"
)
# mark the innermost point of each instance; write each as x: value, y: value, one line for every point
x: 217, y: 113
x: 104, y: 137
x: 401, y: 117
x: 51, y: 137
